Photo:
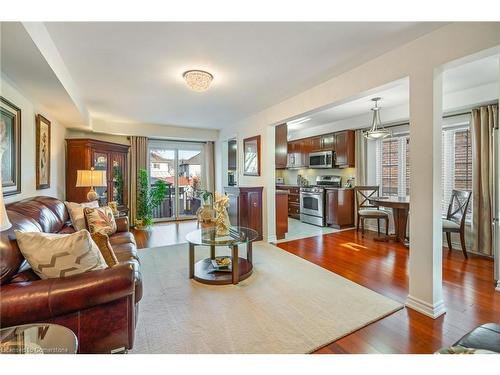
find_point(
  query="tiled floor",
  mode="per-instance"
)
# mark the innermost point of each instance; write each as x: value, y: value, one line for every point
x: 298, y: 229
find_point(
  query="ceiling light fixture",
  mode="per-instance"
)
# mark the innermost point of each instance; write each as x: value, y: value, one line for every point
x: 198, y: 80
x: 377, y: 131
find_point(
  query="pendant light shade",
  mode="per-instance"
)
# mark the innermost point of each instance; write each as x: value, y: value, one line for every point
x: 377, y: 131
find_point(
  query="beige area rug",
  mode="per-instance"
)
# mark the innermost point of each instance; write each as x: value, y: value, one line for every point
x: 288, y: 305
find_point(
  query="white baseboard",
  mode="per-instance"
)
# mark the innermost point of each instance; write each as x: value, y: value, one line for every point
x: 432, y: 310
x: 271, y: 238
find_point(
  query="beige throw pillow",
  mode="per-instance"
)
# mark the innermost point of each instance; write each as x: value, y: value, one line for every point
x: 100, y: 220
x: 76, y: 213
x: 60, y: 255
x: 102, y: 242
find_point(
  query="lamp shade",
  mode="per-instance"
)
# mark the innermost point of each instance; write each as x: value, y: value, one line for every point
x: 90, y: 178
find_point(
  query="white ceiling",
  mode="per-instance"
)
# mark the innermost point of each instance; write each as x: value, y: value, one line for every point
x: 132, y: 71
x: 470, y: 79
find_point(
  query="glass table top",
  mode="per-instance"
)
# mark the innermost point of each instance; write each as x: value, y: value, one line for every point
x: 38, y: 339
x: 207, y: 236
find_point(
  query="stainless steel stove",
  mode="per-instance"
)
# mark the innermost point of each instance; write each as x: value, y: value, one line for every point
x: 312, y: 199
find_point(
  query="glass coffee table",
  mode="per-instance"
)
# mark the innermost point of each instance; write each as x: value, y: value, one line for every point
x: 40, y: 338
x: 204, y: 271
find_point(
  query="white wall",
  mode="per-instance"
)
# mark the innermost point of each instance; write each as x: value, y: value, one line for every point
x: 28, y: 146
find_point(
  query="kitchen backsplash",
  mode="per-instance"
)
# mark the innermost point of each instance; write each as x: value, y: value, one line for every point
x: 290, y: 175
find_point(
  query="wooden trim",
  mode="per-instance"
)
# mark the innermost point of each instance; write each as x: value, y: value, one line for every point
x: 256, y: 138
x: 38, y: 120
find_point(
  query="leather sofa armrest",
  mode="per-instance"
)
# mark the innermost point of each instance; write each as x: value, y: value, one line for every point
x: 44, y: 299
x: 122, y: 224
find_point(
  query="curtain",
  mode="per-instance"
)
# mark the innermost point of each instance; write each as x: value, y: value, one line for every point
x: 138, y: 161
x: 484, y: 120
x: 209, y: 166
x: 360, y: 157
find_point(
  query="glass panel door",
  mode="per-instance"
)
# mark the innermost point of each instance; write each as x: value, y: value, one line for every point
x: 180, y: 166
x: 189, y: 182
x: 100, y: 161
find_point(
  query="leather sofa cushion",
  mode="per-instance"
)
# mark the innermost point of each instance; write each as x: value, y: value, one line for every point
x: 121, y: 238
x: 485, y: 337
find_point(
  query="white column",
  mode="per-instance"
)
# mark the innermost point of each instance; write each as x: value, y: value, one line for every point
x: 425, y: 266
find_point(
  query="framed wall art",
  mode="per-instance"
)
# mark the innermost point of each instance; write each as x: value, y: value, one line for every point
x: 251, y: 149
x: 42, y: 153
x: 10, y: 139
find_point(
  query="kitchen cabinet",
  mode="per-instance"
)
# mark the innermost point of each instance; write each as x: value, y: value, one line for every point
x: 232, y: 155
x: 297, y: 154
x: 327, y: 142
x: 86, y: 153
x: 344, y: 149
x: 245, y: 207
x: 339, y: 208
x: 293, y: 200
x: 281, y: 146
x: 281, y: 213
x: 314, y: 143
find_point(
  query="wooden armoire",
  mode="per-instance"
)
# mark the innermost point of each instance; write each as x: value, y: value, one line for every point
x: 85, y: 153
x: 245, y: 207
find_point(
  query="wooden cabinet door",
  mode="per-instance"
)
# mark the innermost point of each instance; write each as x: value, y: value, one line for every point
x: 327, y: 142
x: 315, y: 144
x: 101, y: 162
x: 331, y: 206
x: 255, y: 211
x: 344, y: 149
x: 117, y: 179
x: 281, y: 145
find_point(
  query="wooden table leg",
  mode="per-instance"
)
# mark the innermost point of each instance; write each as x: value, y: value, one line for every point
x: 249, y: 252
x: 400, y: 220
x: 191, y: 260
x: 212, y: 252
x: 236, y: 271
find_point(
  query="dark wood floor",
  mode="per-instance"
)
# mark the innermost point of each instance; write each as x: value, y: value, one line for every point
x: 468, y: 292
x: 468, y: 288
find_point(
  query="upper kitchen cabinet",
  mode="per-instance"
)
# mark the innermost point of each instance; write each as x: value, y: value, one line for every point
x: 325, y: 142
x: 344, y: 149
x: 328, y: 142
x: 281, y: 146
x: 232, y: 155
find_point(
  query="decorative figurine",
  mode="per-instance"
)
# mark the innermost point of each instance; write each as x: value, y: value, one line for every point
x: 222, y: 223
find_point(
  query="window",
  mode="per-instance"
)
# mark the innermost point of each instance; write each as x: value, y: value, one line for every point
x: 457, y: 162
x: 393, y: 166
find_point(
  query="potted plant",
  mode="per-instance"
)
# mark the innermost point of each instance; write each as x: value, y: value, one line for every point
x: 148, y: 198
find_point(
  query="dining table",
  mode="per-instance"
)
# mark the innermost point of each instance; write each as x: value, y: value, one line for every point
x: 400, y: 207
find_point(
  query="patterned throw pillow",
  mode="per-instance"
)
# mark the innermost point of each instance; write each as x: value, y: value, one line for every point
x: 102, y: 242
x: 75, y: 211
x: 100, y: 220
x: 60, y: 255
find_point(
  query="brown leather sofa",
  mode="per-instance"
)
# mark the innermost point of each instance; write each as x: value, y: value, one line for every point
x: 100, y: 307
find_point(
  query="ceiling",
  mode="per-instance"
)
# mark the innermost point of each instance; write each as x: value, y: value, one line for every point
x: 469, y: 80
x: 133, y: 71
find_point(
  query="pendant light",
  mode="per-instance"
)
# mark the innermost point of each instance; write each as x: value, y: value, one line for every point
x: 377, y: 131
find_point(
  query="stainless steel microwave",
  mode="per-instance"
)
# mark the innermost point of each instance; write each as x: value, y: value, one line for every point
x: 323, y: 159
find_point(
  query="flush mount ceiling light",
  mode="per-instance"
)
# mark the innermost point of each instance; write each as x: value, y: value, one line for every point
x: 377, y: 131
x: 198, y: 80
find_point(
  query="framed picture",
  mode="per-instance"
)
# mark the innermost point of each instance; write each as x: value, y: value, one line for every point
x: 42, y: 152
x: 10, y: 130
x: 251, y: 150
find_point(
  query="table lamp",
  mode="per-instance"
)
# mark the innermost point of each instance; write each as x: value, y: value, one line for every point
x: 91, y: 178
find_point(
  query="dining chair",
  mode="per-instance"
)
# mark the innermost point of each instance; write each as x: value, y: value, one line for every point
x: 455, y: 217
x: 366, y: 210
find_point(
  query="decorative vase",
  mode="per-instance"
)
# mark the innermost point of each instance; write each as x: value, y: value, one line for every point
x: 206, y: 215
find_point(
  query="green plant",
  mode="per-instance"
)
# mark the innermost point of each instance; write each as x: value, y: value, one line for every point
x: 205, y: 196
x: 148, y: 198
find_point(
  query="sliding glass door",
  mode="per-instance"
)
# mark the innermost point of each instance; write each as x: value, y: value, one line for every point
x: 180, y: 165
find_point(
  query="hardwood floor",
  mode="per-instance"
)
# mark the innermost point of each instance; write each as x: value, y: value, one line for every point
x: 468, y: 288
x: 468, y: 292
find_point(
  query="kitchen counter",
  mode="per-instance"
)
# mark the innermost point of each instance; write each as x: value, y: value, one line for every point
x: 284, y: 192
